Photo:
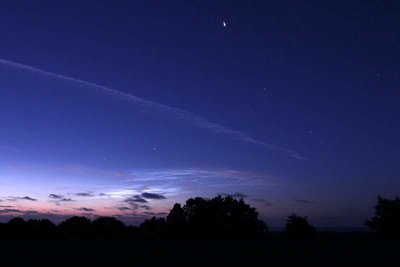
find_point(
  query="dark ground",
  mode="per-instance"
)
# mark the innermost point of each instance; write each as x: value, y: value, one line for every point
x: 200, y: 253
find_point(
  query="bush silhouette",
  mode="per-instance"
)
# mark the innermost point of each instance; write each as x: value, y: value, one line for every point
x: 298, y: 227
x: 386, y: 222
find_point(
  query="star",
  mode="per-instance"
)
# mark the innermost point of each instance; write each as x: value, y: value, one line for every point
x: 224, y: 23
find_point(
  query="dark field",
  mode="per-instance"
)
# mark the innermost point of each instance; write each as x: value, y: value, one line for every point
x: 200, y: 253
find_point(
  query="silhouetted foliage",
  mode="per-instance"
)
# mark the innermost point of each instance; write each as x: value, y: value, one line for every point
x: 153, y: 228
x: 16, y: 228
x: 40, y: 229
x: 220, y: 217
x: 216, y: 218
x: 75, y: 228
x: 176, y: 219
x: 107, y: 228
x: 386, y: 222
x: 298, y: 227
x: 132, y: 232
x: 199, y: 218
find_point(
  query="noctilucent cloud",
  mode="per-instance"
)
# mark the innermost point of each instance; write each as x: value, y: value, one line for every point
x: 125, y: 108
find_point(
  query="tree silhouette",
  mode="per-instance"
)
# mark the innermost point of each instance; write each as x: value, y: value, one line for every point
x: 40, y: 229
x: 216, y: 218
x: 298, y: 227
x: 176, y: 220
x: 75, y: 228
x: 386, y: 222
x: 154, y: 228
x: 16, y: 228
x: 107, y: 228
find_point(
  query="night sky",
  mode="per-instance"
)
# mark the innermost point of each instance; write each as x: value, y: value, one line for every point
x: 122, y: 108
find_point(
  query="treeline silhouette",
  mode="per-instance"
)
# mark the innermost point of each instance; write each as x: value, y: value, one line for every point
x: 216, y: 218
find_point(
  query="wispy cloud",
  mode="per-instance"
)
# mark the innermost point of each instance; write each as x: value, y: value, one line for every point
x: 304, y: 201
x: 54, y: 196
x: 146, y: 207
x: 124, y: 208
x: 85, y: 209
x: 60, y: 198
x: 66, y: 200
x: 135, y: 191
x: 174, y: 113
x: 209, y: 177
x: 9, y: 211
x: 152, y: 196
x: 85, y: 194
x: 57, y: 199
x: 263, y: 201
x: 235, y: 195
x: 11, y: 149
x: 21, y: 198
x: 135, y: 199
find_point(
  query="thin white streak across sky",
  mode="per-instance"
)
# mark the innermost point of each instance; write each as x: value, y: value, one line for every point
x: 176, y: 113
x: 11, y: 149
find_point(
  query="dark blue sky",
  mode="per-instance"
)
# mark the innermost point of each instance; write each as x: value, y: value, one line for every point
x: 294, y: 104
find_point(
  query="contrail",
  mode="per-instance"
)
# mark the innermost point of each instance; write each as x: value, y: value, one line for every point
x: 176, y: 113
